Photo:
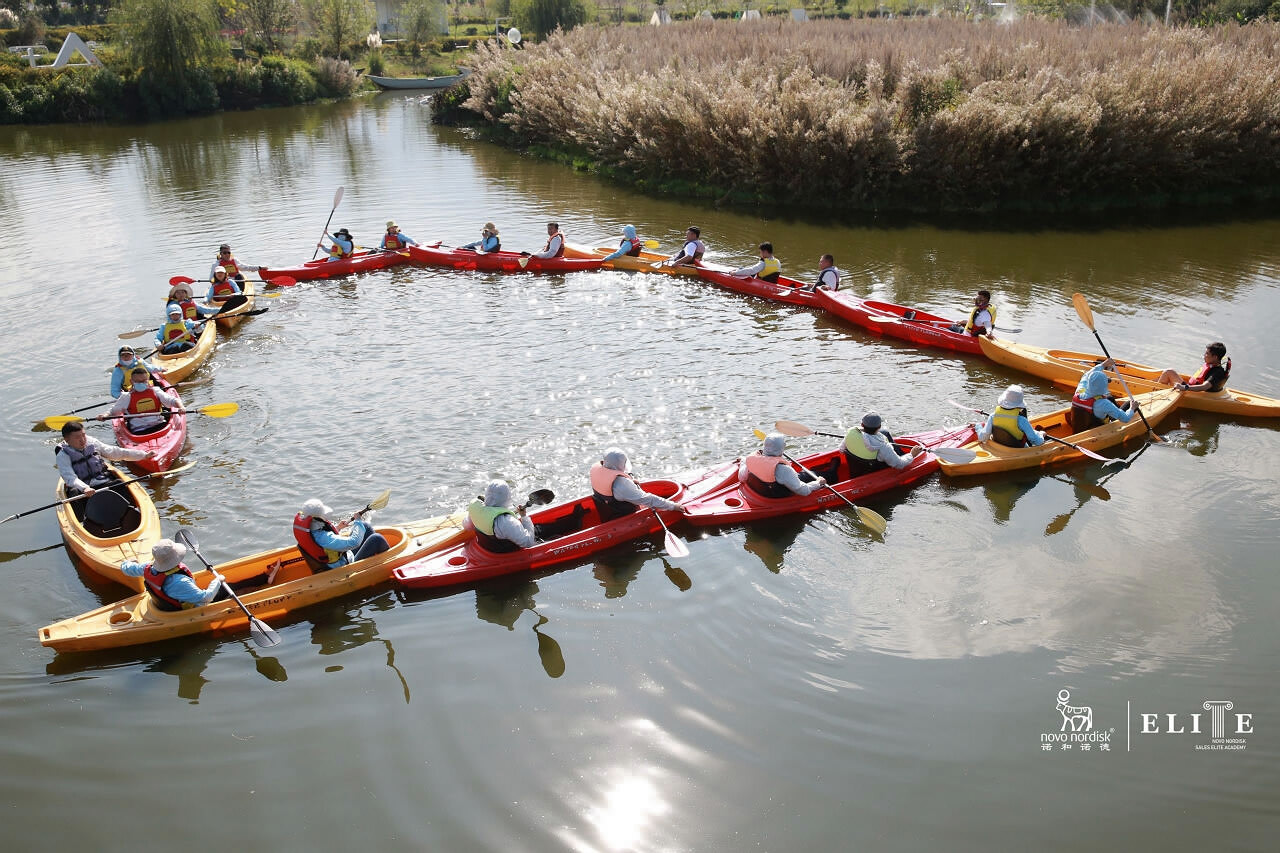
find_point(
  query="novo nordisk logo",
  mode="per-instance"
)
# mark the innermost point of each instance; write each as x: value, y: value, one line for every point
x: 1224, y: 730
x: 1076, y: 731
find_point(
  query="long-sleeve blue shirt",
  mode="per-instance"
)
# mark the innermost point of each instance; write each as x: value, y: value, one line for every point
x: 342, y: 542
x: 192, y: 327
x: 117, y: 374
x: 1033, y: 438
x: 177, y: 586
x: 490, y: 243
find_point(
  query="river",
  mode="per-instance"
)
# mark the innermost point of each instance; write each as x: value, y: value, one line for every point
x: 794, y: 685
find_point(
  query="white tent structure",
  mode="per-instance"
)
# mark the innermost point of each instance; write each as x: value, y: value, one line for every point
x: 751, y: 15
x: 799, y: 15
x: 660, y: 17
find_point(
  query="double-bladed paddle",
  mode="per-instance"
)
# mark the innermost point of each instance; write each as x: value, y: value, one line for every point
x: 262, y: 633
x: 213, y: 410
x: 1086, y: 314
x: 1083, y: 450
x: 275, y: 281
x: 946, y: 323
x: 870, y: 519
x: 957, y: 455
x: 175, y: 470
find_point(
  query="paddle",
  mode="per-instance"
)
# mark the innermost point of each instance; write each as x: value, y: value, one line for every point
x: 277, y: 281
x: 213, y: 410
x: 337, y: 198
x: 42, y: 421
x: 1086, y: 314
x: 380, y: 502
x: 871, y: 519
x: 538, y: 497
x: 1059, y: 523
x: 232, y: 303
x: 958, y: 455
x: 674, y: 544
x: 260, y: 631
x: 945, y: 323
x: 176, y: 470
x: 1084, y: 450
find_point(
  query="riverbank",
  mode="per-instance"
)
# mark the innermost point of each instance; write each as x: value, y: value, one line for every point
x: 931, y: 115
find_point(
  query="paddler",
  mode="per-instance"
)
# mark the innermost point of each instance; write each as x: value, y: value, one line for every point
x: 1212, y: 376
x: 489, y: 240
x: 234, y: 268
x: 630, y: 245
x: 1092, y: 405
x: 692, y: 250
x: 126, y: 361
x: 500, y: 528
x: 329, y: 546
x: 344, y: 246
x: 554, y: 247
x: 615, y: 491
x: 1008, y: 424
x: 768, y: 268
x: 394, y: 239
x: 178, y: 334
x: 982, y: 317
x: 148, y: 404
x: 828, y: 274
x: 170, y: 583
x: 79, y: 460
x: 181, y: 295
x: 869, y: 447
x: 222, y: 287
x: 767, y: 473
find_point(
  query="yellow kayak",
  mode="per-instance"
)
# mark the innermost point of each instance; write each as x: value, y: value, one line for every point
x: 993, y: 457
x: 281, y: 583
x: 115, y: 528
x: 235, y: 316
x: 1064, y: 367
x: 643, y: 263
x: 179, y: 366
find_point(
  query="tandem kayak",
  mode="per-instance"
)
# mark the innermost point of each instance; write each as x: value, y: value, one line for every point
x: 470, y: 562
x: 165, y: 442
x: 281, y: 584
x: 898, y: 321
x: 507, y: 262
x: 1064, y: 367
x: 372, y: 259
x: 735, y: 502
x: 179, y: 366
x: 787, y: 290
x: 993, y: 457
x: 109, y: 527
x: 235, y: 316
x: 644, y: 262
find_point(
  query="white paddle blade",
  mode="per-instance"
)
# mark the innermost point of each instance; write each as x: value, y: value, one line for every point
x: 675, y: 546
x: 954, y: 455
x: 795, y: 429
x: 263, y: 634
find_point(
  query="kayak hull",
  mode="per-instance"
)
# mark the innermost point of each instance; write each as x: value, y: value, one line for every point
x: 887, y: 318
x: 993, y: 458
x: 236, y: 316
x: 735, y: 503
x: 504, y: 262
x: 373, y: 259
x: 179, y: 366
x: 166, y: 444
x: 102, y: 555
x: 136, y: 620
x: 644, y: 262
x: 1064, y: 367
x: 786, y: 290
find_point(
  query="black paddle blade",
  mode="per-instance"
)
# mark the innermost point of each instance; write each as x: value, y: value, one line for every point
x: 540, y: 497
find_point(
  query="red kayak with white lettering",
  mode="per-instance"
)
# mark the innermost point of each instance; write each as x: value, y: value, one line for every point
x: 373, y: 259
x: 898, y: 321
x: 166, y: 442
x: 505, y: 262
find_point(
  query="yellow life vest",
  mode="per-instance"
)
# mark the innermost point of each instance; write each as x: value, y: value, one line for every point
x: 857, y: 445
x: 483, y: 517
x: 973, y: 315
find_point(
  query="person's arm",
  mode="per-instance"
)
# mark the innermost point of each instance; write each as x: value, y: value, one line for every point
x: 623, y: 248
x: 1034, y: 438
x: 1104, y: 409
x: 748, y: 272
x: 553, y: 247
x: 518, y: 530
x: 117, y: 381
x: 787, y: 476
x: 115, y: 454
x: 132, y: 569
x: 339, y: 541
x: 169, y: 401
x: 626, y: 489
x: 984, y: 431
x: 179, y: 587
x: 886, y: 454
x: 68, y: 474
x: 118, y: 407
x: 408, y: 241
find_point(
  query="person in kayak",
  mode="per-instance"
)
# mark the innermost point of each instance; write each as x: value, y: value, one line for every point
x: 692, y: 250
x: 500, y: 528
x: 325, y: 545
x: 344, y: 246
x: 869, y: 447
x: 126, y: 361
x: 982, y: 317
x: 768, y: 268
x: 170, y: 583
x: 395, y: 240
x: 630, y: 245
x: 1212, y: 376
x: 222, y: 287
x: 1092, y: 405
x: 615, y: 491
x: 555, y: 243
x: 767, y: 473
x: 1008, y: 424
x: 489, y: 240
x: 182, y: 296
x: 234, y: 268
x: 79, y: 460
x: 149, y: 405
x: 178, y: 334
x: 828, y: 274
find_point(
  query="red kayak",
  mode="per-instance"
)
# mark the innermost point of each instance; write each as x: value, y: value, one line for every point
x: 469, y: 562
x: 787, y: 290
x: 898, y: 321
x: 373, y: 259
x: 508, y: 262
x: 166, y: 442
x: 734, y: 502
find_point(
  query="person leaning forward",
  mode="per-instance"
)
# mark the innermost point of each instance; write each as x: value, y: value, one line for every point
x: 768, y: 473
x: 170, y: 583
x: 325, y: 545
x: 616, y: 493
x: 80, y: 460
x: 500, y: 528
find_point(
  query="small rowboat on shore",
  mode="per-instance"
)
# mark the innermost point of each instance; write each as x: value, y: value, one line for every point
x: 109, y: 527
x: 235, y: 316
x: 897, y: 321
x: 166, y: 443
x: 504, y: 262
x: 283, y: 584
x: 401, y: 83
x: 372, y: 259
x: 993, y: 457
x: 1065, y: 367
x: 179, y: 366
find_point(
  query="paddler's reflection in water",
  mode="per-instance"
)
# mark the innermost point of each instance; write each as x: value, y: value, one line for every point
x: 503, y: 604
x: 337, y: 631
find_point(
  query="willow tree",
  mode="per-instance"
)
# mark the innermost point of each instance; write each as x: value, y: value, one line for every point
x: 543, y: 16
x: 173, y: 43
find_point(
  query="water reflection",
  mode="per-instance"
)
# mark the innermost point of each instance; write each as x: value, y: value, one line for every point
x: 505, y: 602
x: 336, y: 631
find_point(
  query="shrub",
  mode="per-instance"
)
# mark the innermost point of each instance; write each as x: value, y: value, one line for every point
x: 377, y: 65
x: 31, y: 30
x: 336, y: 77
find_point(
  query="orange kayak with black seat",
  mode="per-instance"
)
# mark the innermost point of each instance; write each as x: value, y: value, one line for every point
x: 504, y: 262
x: 109, y: 527
x: 897, y: 321
x: 372, y: 259
x: 166, y: 443
x: 179, y: 366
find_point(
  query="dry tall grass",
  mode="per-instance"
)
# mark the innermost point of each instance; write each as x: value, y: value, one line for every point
x: 906, y: 115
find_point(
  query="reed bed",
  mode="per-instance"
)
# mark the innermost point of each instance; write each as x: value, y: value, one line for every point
x: 933, y: 114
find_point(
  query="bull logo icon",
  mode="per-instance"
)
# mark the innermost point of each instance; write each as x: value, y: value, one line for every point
x: 1076, y: 719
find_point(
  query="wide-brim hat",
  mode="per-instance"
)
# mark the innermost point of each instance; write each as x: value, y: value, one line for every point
x: 1012, y: 397
x: 182, y: 291
x: 167, y: 554
x: 315, y: 508
x: 343, y: 233
x: 491, y: 228
x: 391, y: 223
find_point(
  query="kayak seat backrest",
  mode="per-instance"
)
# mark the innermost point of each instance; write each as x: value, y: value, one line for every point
x: 312, y: 563
x: 108, y: 513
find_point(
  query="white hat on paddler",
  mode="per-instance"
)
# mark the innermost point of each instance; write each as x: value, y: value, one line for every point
x: 175, y: 310
x: 315, y: 508
x: 497, y: 493
x: 615, y: 459
x: 167, y: 554
x: 219, y: 269
x: 1012, y: 397
x: 775, y: 443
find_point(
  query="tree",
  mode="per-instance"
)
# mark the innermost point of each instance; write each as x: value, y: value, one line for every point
x: 420, y: 20
x: 169, y: 38
x: 543, y: 16
x: 267, y: 18
x: 338, y: 22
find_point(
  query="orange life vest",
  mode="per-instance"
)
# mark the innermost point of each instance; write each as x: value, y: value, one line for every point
x: 310, y: 548
x: 231, y: 265
x: 155, y: 585
x: 559, y: 252
x: 143, y: 402
x: 224, y: 289
x: 607, y: 505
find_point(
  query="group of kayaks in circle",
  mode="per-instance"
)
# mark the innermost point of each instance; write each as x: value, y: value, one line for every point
x: 448, y: 551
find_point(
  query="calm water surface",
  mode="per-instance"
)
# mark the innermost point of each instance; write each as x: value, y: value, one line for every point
x: 796, y: 685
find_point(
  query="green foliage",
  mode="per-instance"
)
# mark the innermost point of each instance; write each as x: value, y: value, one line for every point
x: 275, y: 81
x: 338, y: 23
x: 264, y: 21
x: 170, y: 40
x: 377, y: 65
x: 336, y: 77
x: 420, y: 21
x: 31, y: 29
x: 542, y: 17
